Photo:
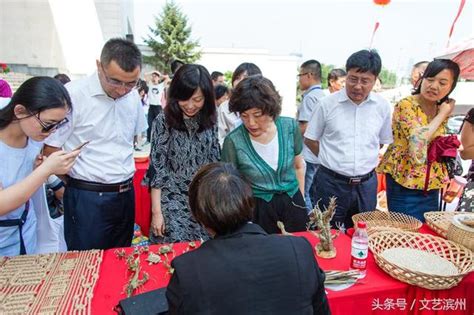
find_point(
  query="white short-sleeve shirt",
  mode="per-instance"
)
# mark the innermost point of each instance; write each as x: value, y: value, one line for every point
x: 350, y: 135
x: 110, y: 126
x: 226, y: 121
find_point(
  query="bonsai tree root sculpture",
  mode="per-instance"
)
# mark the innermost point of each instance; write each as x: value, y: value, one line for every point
x: 321, y: 220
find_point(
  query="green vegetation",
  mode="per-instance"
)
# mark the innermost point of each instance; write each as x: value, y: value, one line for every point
x: 171, y: 39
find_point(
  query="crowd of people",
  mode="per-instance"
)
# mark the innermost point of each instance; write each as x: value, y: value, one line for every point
x: 273, y: 169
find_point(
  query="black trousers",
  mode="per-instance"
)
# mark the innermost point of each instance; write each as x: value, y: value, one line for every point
x: 351, y: 199
x: 98, y: 220
x: 153, y: 111
x: 289, y: 210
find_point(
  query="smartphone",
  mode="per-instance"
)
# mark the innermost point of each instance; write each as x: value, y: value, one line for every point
x: 82, y: 145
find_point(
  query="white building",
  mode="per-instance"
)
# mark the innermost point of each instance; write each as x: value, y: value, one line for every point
x: 44, y: 37
x: 280, y: 69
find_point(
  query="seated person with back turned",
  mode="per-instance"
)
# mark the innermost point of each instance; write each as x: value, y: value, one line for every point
x: 242, y: 270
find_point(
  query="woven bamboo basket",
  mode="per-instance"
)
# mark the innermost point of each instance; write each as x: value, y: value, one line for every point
x: 377, y: 219
x: 461, y: 233
x: 439, y: 221
x: 461, y: 257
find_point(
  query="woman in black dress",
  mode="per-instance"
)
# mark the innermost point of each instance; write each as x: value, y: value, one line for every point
x: 184, y: 138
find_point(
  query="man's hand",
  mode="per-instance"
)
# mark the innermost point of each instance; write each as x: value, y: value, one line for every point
x: 313, y: 145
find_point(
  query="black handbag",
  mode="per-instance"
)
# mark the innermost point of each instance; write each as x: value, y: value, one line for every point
x: 152, y: 302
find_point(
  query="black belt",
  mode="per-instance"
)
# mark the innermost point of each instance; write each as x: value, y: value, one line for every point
x: 353, y: 180
x: 92, y: 186
x: 18, y: 222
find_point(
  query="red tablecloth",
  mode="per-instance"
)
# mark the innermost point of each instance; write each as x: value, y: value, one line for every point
x: 142, y: 198
x: 378, y: 293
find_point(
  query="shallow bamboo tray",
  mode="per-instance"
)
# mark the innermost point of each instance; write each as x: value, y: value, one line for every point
x: 439, y: 221
x: 461, y: 257
x: 460, y: 233
x: 389, y: 219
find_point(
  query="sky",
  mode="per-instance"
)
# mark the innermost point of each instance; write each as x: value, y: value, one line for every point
x: 325, y: 30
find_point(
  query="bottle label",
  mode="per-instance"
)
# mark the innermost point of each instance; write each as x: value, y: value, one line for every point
x: 359, y: 256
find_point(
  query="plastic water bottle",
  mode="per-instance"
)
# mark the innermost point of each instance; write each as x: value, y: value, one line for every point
x: 360, y: 249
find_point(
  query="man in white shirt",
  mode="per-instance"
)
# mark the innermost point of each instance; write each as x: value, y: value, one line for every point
x: 217, y: 78
x: 99, y: 201
x: 346, y: 132
x: 155, y: 93
x: 310, y: 81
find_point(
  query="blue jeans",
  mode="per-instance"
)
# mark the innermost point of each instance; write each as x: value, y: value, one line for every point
x: 351, y: 198
x: 410, y: 201
x: 309, y: 186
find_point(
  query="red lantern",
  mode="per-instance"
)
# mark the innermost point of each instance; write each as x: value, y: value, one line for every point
x: 381, y: 2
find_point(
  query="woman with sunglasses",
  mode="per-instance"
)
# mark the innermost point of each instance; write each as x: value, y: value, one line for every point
x: 37, y: 109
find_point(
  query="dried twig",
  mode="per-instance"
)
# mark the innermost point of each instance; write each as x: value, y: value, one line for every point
x: 153, y: 258
x: 135, y: 282
x: 281, y: 226
x: 321, y: 220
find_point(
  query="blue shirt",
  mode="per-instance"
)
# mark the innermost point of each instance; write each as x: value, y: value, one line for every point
x: 15, y: 165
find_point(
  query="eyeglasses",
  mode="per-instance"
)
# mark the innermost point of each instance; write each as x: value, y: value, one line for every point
x: 49, y: 127
x: 118, y: 83
x: 361, y: 81
x: 302, y: 74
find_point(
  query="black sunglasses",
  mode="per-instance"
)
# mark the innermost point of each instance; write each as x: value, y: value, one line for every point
x: 49, y: 127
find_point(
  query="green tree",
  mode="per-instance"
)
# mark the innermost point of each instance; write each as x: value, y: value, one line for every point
x: 325, y: 69
x: 170, y: 39
x: 228, y: 78
x: 388, y: 78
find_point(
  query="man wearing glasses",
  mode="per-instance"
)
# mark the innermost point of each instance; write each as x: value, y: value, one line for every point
x: 309, y: 78
x: 99, y: 201
x: 346, y: 132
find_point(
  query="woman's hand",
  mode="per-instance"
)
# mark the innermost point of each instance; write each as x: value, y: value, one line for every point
x: 38, y: 161
x: 157, y: 226
x: 59, y: 162
x: 447, y: 107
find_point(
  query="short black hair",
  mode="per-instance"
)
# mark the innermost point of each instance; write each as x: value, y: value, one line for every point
x: 185, y: 82
x: 246, y: 67
x: 125, y: 53
x: 365, y: 61
x: 220, y: 199
x: 215, y: 75
x: 220, y: 90
x: 63, y: 78
x: 435, y: 67
x: 314, y: 67
x: 256, y: 92
x: 335, y: 74
x: 36, y: 94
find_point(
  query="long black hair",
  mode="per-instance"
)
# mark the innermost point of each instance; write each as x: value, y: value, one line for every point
x: 185, y: 82
x: 435, y: 67
x: 36, y: 94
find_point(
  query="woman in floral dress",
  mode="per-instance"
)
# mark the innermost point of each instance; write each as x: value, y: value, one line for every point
x: 184, y: 138
x: 417, y: 121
